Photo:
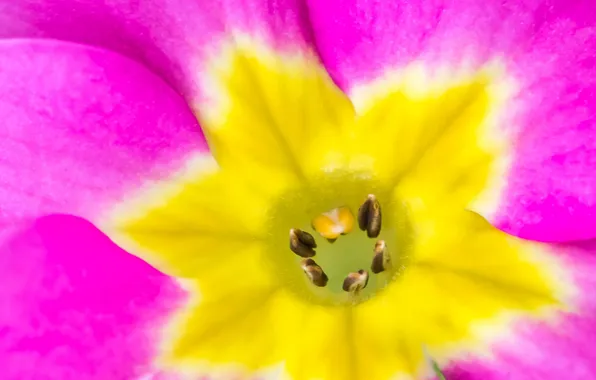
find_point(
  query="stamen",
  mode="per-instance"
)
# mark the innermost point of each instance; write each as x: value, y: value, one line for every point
x: 369, y: 216
x: 314, y: 272
x: 382, y: 259
x: 356, y: 281
x: 302, y: 243
x: 333, y: 223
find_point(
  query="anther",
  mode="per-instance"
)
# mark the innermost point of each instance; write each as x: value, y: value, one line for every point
x: 355, y: 281
x: 314, y: 272
x: 381, y: 259
x: 302, y: 243
x: 369, y: 216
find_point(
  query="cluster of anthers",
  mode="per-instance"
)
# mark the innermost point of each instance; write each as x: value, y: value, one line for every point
x: 303, y: 244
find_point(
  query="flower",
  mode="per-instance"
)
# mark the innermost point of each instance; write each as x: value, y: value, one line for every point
x: 345, y: 219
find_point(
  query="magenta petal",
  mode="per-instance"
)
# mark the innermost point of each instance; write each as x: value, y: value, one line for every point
x: 168, y: 36
x: 547, y: 47
x: 551, y: 190
x: 82, y: 128
x: 359, y: 39
x: 75, y: 306
x: 565, y: 350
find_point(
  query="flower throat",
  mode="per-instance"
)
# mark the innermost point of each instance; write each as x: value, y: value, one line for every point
x: 340, y: 240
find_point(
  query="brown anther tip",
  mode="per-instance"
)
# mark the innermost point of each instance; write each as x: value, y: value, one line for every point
x: 381, y: 259
x: 377, y: 265
x: 332, y: 240
x: 363, y: 215
x: 369, y: 216
x: 314, y: 272
x: 305, y: 238
x: 355, y: 281
x: 374, y: 220
x: 302, y: 243
x: 307, y: 262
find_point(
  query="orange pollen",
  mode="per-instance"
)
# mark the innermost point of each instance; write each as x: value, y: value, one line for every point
x: 333, y: 223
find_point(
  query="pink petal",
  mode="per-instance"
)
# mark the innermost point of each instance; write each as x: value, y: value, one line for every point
x: 168, y: 36
x: 75, y: 306
x: 82, y: 128
x: 547, y: 47
x: 564, y: 351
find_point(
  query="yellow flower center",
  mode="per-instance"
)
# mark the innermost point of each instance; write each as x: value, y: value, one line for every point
x: 278, y: 238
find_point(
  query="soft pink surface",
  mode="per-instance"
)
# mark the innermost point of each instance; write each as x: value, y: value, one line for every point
x: 565, y: 351
x: 73, y: 306
x: 548, y: 46
x: 81, y: 128
x: 168, y: 36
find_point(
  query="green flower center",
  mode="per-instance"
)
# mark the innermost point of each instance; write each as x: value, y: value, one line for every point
x: 349, y: 253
